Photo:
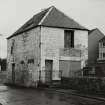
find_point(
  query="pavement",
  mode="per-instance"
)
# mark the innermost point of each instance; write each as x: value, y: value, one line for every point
x: 28, y: 96
x: 74, y: 92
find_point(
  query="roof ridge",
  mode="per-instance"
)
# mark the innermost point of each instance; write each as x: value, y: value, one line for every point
x: 65, y: 15
x: 94, y: 30
x: 41, y: 21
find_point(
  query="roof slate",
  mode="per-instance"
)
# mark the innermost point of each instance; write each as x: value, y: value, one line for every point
x: 99, y: 32
x: 34, y: 21
x: 92, y: 30
x: 58, y: 19
x: 55, y: 18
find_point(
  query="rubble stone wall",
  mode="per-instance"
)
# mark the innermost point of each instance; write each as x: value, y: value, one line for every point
x: 23, y: 50
x: 52, y: 39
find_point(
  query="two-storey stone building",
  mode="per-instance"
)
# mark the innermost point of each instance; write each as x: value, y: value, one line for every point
x: 50, y: 42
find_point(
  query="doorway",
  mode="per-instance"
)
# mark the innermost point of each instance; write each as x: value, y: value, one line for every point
x: 48, y: 70
x: 13, y: 72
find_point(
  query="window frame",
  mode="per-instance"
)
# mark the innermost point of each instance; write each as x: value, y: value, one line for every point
x: 69, y: 44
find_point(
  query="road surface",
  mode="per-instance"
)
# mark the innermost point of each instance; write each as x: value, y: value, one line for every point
x: 21, y: 96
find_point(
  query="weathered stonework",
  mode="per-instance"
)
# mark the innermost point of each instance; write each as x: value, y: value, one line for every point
x: 52, y: 40
x: 25, y: 56
x: 30, y: 50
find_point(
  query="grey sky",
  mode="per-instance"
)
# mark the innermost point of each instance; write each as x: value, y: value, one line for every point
x: 14, y: 13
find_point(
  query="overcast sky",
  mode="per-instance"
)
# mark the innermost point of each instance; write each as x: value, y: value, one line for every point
x: 14, y: 13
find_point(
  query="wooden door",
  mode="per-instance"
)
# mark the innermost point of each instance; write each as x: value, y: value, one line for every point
x: 48, y: 70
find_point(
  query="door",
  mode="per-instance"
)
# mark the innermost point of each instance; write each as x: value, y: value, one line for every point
x: 48, y: 70
x: 13, y: 72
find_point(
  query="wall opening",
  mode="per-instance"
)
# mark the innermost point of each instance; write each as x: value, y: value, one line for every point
x: 68, y: 39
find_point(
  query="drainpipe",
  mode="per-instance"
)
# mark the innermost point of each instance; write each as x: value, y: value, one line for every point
x: 40, y: 56
x: 81, y: 62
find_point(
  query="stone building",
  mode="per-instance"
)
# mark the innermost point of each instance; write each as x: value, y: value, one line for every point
x: 48, y: 44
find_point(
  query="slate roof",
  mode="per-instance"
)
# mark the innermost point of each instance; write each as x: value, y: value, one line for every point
x: 50, y: 17
x: 97, y: 30
x: 103, y: 39
x: 92, y: 30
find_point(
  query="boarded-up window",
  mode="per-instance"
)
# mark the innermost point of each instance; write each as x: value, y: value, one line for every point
x: 30, y: 60
x: 68, y: 38
x: 101, y: 55
x: 22, y: 62
x: 64, y: 66
x: 69, y: 68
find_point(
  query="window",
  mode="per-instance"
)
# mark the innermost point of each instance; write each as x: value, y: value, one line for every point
x: 103, y: 55
x: 30, y: 60
x: 103, y: 44
x: 100, y: 44
x: 12, y: 46
x: 68, y: 38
